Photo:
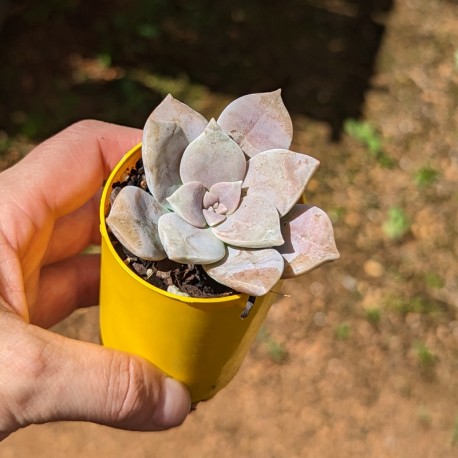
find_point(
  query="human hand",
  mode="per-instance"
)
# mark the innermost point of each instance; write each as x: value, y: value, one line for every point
x: 48, y: 215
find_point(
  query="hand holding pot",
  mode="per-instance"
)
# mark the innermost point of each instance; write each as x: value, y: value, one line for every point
x: 49, y: 214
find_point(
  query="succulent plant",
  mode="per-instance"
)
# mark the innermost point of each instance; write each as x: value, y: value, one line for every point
x: 223, y: 194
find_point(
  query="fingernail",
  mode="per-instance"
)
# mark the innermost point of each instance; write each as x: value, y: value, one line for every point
x: 175, y: 405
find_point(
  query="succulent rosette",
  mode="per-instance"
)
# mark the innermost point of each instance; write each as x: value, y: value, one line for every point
x: 224, y: 194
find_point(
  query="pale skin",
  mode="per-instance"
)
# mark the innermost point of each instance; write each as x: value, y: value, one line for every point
x: 48, y: 216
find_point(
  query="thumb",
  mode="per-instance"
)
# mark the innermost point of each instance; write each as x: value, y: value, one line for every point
x: 46, y: 377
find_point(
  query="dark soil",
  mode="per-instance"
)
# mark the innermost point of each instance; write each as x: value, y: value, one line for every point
x: 188, y: 278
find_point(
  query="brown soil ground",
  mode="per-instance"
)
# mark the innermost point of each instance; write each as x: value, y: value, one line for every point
x: 360, y: 358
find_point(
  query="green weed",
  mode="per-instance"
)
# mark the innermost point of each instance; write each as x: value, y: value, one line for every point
x: 417, y: 304
x: 276, y: 351
x: 33, y: 124
x: 455, y: 432
x: 336, y: 214
x: 367, y: 135
x: 424, y: 417
x: 396, y: 224
x: 104, y: 60
x: 373, y: 315
x: 433, y: 280
x: 5, y: 142
x: 426, y: 357
x: 180, y: 87
x: 278, y: 354
x: 148, y: 30
x: 425, y: 176
x: 342, y: 331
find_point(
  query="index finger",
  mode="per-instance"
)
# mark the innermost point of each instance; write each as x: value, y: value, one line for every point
x: 68, y: 169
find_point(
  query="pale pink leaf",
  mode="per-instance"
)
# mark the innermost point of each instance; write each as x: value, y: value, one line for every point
x: 253, y: 272
x: 133, y: 220
x: 212, y: 218
x: 212, y: 157
x: 221, y: 209
x: 309, y: 240
x: 170, y: 109
x: 279, y: 176
x: 187, y: 244
x: 255, y: 224
x: 162, y: 148
x: 186, y: 201
x: 258, y: 122
x: 228, y: 193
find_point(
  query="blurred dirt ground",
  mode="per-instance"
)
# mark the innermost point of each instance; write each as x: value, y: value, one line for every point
x: 359, y: 358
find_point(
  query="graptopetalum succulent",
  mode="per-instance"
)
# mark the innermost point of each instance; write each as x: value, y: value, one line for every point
x: 223, y: 194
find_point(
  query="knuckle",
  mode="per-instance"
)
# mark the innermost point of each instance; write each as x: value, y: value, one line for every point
x: 82, y: 128
x: 19, y: 397
x: 131, y: 397
x: 84, y: 125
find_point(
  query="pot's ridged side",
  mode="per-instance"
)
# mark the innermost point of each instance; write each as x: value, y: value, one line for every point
x: 201, y: 342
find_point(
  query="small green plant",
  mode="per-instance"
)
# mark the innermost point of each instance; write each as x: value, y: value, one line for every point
x: 336, y: 214
x: 276, y: 351
x: 426, y: 358
x: 373, y: 315
x: 425, y: 176
x: 342, y: 331
x: 367, y: 135
x: 5, y: 142
x: 396, y: 224
x: 104, y: 60
x: 148, y: 30
x: 455, y: 432
x: 424, y: 417
x: 433, y: 280
x: 33, y: 124
x: 417, y: 304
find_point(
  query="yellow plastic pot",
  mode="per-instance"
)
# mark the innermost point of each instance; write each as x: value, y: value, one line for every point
x: 200, y: 342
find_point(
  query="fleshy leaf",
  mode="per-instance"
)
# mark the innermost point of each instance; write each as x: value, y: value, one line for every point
x: 209, y: 199
x: 258, y: 122
x: 188, y: 244
x: 279, y: 176
x: 309, y: 240
x: 186, y: 201
x: 170, y: 109
x: 255, y: 224
x: 114, y: 193
x: 221, y: 209
x: 133, y: 220
x: 163, y: 145
x: 212, y: 157
x: 252, y: 272
x: 228, y: 193
x: 213, y: 218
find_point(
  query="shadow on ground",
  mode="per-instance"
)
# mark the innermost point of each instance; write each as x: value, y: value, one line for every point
x: 321, y: 53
